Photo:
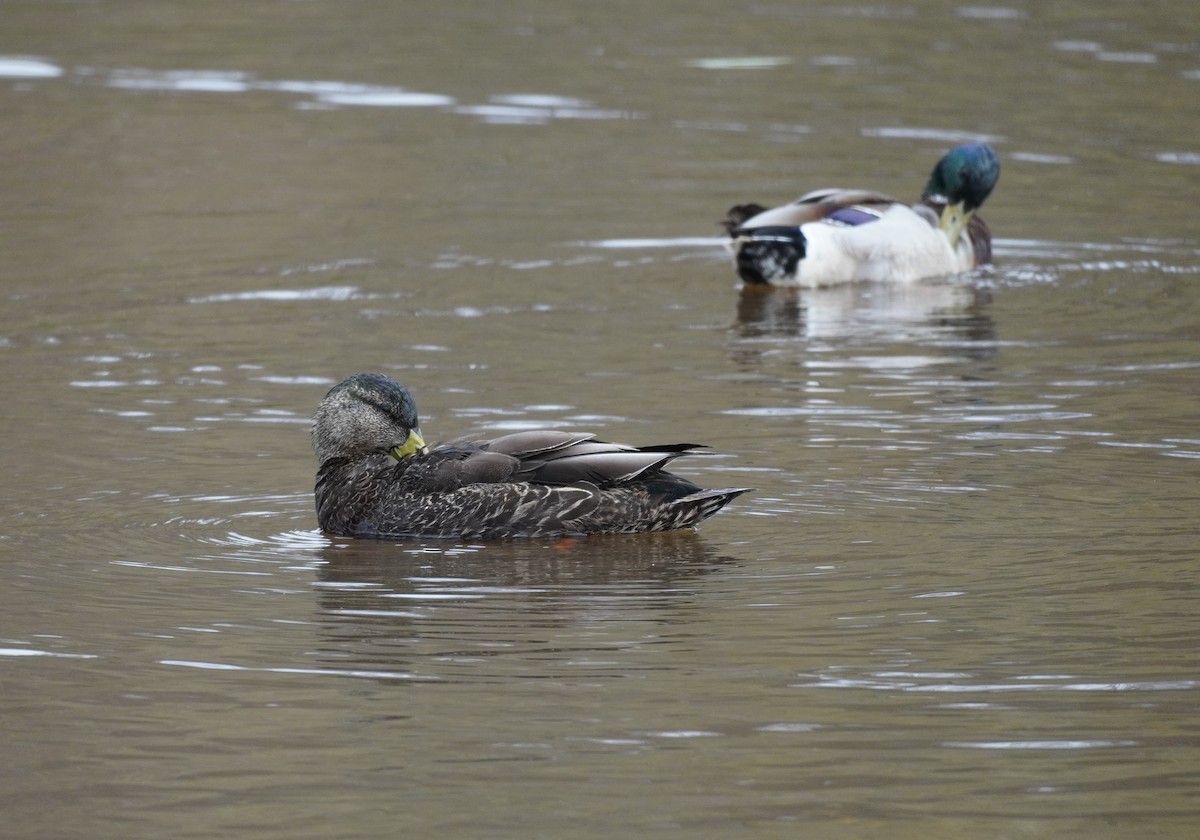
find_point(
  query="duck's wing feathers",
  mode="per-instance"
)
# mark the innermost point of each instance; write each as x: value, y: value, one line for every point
x: 603, y: 468
x: 818, y: 205
x: 600, y: 463
x: 465, y: 461
x: 845, y: 197
x: 554, y: 458
x: 530, y: 444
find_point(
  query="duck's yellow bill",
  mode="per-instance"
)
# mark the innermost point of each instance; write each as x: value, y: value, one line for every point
x: 954, y: 219
x: 413, y: 445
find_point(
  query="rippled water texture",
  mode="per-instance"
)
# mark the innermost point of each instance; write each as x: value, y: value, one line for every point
x: 962, y: 602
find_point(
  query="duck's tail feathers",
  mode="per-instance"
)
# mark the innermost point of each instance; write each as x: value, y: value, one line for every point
x: 696, y: 507
x: 768, y: 255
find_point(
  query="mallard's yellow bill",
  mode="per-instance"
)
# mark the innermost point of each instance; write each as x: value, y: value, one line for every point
x: 413, y: 445
x: 954, y: 219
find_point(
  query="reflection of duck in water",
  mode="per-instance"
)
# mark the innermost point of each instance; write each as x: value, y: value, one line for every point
x: 936, y: 309
x: 833, y: 236
x: 366, y: 571
x: 378, y: 479
x: 454, y: 611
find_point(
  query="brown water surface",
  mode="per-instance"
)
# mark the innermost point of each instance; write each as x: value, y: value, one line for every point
x: 962, y: 602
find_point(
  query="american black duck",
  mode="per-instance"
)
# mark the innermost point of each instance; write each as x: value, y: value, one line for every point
x: 377, y: 478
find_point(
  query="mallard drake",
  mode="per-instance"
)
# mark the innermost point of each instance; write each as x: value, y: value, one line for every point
x: 836, y: 236
x: 377, y: 478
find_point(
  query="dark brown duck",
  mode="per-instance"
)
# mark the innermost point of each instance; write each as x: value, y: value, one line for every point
x: 377, y: 478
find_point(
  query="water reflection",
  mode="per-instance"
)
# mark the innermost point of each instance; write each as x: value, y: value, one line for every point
x: 466, y: 612
x: 654, y: 563
x: 910, y: 312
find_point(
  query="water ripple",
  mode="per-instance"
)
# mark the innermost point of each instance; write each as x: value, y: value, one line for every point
x: 21, y: 652
x: 1074, y: 744
x: 940, y: 134
x: 14, y: 67
x: 316, y: 672
x: 319, y: 293
x: 519, y: 108
x: 1020, y: 685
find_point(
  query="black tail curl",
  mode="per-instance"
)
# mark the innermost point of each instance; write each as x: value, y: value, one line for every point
x: 769, y: 254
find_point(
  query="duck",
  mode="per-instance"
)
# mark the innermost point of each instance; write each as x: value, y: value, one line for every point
x: 377, y: 478
x: 833, y: 236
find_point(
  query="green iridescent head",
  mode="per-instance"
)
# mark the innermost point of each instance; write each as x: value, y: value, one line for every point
x: 962, y: 181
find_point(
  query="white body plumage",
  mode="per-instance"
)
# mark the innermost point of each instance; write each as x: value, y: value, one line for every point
x: 902, y: 246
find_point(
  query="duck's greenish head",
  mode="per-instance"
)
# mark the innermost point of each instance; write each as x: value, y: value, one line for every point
x: 367, y: 413
x: 962, y: 181
x: 966, y: 174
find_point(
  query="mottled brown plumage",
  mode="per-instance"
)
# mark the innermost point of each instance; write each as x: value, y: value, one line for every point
x: 377, y: 479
